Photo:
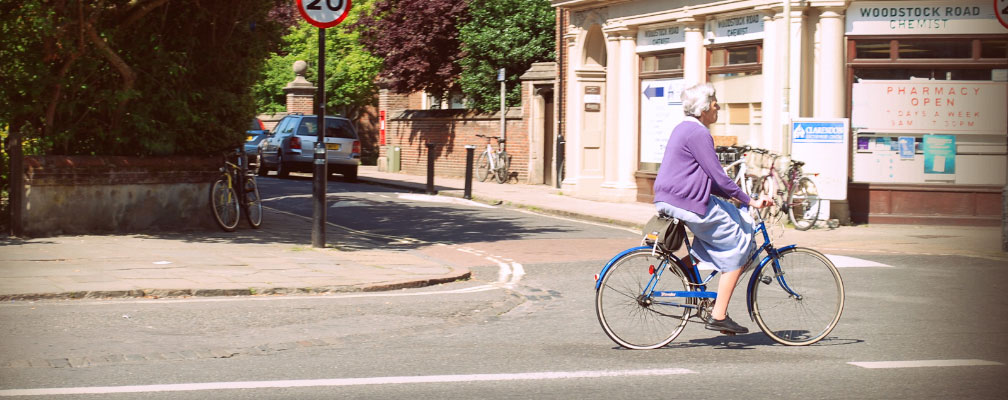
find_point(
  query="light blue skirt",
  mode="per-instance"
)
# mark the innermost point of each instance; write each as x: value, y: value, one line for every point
x: 723, y: 237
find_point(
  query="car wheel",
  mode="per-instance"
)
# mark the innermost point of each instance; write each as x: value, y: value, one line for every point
x: 282, y: 170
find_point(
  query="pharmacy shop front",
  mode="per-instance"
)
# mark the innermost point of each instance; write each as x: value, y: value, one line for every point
x: 928, y: 88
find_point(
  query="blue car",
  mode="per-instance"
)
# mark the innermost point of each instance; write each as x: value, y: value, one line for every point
x: 255, y: 134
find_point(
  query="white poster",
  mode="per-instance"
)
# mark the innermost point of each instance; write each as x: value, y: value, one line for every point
x: 930, y: 106
x: 822, y: 145
x: 661, y: 111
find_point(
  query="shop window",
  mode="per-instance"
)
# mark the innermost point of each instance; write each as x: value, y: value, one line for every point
x: 946, y: 74
x: 994, y: 48
x: 935, y: 48
x: 872, y: 49
x: 668, y: 62
x: 731, y: 56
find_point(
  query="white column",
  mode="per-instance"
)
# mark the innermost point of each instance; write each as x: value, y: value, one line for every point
x: 830, y: 95
x: 572, y: 158
x: 627, y: 88
x: 695, y: 54
x: 610, y: 146
x: 771, y: 83
x: 795, y: 73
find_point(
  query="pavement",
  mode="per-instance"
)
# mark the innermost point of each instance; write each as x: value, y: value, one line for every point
x: 279, y: 259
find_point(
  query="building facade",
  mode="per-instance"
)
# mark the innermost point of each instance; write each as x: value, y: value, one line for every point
x: 930, y: 75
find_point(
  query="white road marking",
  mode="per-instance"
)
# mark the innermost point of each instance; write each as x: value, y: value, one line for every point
x: 442, y: 199
x: 923, y: 363
x: 388, y: 380
x: 851, y: 262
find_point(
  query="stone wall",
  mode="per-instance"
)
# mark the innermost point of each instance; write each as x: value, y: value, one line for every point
x: 87, y: 195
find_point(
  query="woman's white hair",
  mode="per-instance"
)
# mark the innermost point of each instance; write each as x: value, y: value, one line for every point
x: 697, y: 99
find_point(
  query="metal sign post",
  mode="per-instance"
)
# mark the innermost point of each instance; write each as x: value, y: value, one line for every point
x: 323, y: 14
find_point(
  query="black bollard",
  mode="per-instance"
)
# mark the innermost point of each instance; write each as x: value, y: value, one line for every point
x: 470, y: 149
x: 430, y: 169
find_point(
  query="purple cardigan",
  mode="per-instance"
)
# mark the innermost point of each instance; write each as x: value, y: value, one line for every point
x: 690, y: 171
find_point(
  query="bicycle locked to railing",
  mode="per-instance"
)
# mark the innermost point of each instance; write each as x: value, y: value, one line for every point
x: 645, y: 295
x: 492, y: 162
x: 235, y: 192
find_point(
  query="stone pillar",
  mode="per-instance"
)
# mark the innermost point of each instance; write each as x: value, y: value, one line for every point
x: 831, y: 91
x: 300, y: 92
x: 695, y: 54
x: 770, y: 139
x: 626, y: 85
x: 611, y: 107
x: 573, y: 132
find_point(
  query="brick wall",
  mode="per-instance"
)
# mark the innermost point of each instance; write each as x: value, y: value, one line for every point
x: 93, y: 194
x: 411, y: 129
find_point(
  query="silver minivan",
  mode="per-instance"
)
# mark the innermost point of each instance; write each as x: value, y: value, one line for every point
x: 290, y: 147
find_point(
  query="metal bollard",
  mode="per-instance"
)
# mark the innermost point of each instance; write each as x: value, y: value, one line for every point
x: 470, y: 149
x: 430, y: 169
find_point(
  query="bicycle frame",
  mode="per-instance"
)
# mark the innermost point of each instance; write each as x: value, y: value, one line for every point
x: 700, y: 286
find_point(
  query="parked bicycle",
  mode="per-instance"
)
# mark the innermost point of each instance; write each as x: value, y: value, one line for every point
x: 735, y: 162
x: 492, y: 162
x: 794, y: 194
x: 235, y: 192
x: 644, y: 296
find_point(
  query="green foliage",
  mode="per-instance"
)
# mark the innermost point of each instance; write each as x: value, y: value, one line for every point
x: 133, y: 77
x: 350, y: 69
x: 510, y: 34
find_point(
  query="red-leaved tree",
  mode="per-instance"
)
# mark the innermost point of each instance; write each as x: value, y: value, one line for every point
x: 419, y: 41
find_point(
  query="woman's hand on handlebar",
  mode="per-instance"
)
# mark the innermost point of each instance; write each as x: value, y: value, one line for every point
x: 760, y: 203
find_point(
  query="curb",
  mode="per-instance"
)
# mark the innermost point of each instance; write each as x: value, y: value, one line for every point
x: 461, y: 274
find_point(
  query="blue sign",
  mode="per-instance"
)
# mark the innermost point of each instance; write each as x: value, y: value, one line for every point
x: 939, y: 154
x: 906, y: 147
x: 818, y: 132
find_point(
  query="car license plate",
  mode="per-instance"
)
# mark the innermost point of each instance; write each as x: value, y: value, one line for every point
x: 332, y: 146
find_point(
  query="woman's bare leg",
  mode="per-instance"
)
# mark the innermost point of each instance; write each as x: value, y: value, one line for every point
x: 726, y: 285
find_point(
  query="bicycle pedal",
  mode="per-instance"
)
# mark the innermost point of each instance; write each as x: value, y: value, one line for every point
x: 729, y: 333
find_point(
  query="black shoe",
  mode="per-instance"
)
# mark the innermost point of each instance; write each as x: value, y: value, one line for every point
x: 725, y: 325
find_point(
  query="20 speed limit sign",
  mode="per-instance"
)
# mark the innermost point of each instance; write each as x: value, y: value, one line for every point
x: 324, y: 13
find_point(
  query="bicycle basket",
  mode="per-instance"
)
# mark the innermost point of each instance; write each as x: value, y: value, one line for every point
x: 664, y: 233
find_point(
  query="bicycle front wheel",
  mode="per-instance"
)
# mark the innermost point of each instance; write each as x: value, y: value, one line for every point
x: 253, y: 203
x: 627, y: 309
x: 482, y: 167
x: 224, y: 204
x: 800, y: 303
x: 803, y: 204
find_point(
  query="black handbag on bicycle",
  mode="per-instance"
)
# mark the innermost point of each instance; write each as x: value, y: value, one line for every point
x: 664, y: 233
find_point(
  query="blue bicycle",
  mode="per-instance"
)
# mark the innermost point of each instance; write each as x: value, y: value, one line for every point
x: 644, y: 297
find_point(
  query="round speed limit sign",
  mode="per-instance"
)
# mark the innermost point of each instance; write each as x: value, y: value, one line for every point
x: 1001, y: 10
x: 324, y: 13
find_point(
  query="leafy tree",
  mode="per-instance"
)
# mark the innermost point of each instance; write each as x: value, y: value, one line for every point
x: 132, y: 77
x: 418, y: 41
x: 350, y: 69
x: 509, y: 34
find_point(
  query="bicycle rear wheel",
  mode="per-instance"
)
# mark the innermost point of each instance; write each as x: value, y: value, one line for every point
x: 503, y: 163
x: 482, y: 167
x: 224, y: 204
x: 803, y: 204
x: 628, y: 313
x: 801, y: 304
x: 767, y: 187
x: 253, y: 203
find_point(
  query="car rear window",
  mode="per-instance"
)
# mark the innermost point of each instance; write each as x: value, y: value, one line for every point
x: 335, y: 128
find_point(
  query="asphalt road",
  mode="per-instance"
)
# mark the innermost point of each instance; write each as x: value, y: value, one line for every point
x: 523, y: 327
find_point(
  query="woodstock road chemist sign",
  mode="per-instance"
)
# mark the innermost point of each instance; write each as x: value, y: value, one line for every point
x: 324, y: 13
